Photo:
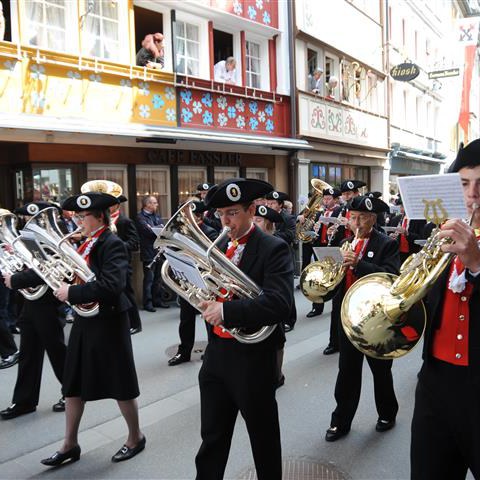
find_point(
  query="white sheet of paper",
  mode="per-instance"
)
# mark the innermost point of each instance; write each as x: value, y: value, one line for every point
x: 184, y: 268
x: 430, y: 188
x: 323, y: 219
x: 157, y: 230
x: 420, y: 242
x: 324, y: 252
x: 395, y: 209
x: 390, y: 229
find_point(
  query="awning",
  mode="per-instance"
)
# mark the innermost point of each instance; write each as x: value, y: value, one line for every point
x: 146, y: 133
x: 416, y: 156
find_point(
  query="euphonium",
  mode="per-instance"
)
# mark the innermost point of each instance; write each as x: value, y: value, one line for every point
x: 222, y: 278
x: 11, y: 263
x: 62, y: 262
x: 383, y: 315
x: 303, y: 230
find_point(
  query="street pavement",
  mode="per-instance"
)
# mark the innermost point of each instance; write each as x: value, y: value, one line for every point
x: 170, y: 415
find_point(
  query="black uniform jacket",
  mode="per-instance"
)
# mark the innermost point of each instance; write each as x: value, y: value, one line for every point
x: 335, y: 213
x: 416, y: 229
x: 267, y: 261
x: 286, y: 229
x: 210, y: 232
x: 380, y: 255
x: 434, y: 304
x: 127, y: 231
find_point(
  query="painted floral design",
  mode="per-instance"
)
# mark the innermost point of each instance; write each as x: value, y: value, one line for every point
x: 207, y: 99
x: 253, y: 107
x: 267, y: 20
x: 125, y: 83
x: 95, y: 78
x: 158, y: 101
x: 186, y: 96
x: 170, y: 93
x: 222, y: 102
x: 38, y: 100
x: 222, y: 119
x: 240, y: 121
x: 240, y: 105
x: 237, y: 7
x: 37, y: 71
x: 259, y: 4
x: 186, y: 115
x: 252, y: 13
x: 171, y: 115
x: 269, y: 109
x: 144, y: 111
x: 261, y: 116
x: 232, y: 112
x: 197, y: 107
x: 253, y: 123
x: 10, y: 65
x: 269, y: 125
x: 74, y: 75
x: 144, y: 88
x: 207, y: 117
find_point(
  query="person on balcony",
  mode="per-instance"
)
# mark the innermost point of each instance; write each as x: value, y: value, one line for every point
x: 152, y: 53
x: 316, y: 81
x: 226, y: 71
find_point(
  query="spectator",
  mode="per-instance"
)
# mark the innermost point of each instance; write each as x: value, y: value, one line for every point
x: 226, y: 71
x: 152, y: 54
x: 288, y: 207
x: 316, y: 81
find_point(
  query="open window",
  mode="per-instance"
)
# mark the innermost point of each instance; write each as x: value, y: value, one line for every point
x: 222, y: 45
x: 332, y: 76
x: 146, y: 22
x: 6, y: 31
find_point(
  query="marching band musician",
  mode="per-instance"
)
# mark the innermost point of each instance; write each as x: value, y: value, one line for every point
x: 373, y: 252
x: 99, y: 361
x: 40, y: 331
x: 446, y: 418
x: 237, y: 376
x: 210, y: 218
x: 188, y: 313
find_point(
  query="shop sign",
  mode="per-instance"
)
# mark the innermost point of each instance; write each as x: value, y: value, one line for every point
x: 404, y: 72
x: 449, y: 72
x: 194, y: 157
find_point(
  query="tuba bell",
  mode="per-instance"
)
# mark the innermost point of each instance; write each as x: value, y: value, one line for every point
x: 304, y: 230
x: 52, y: 257
x: 10, y: 262
x: 221, y: 277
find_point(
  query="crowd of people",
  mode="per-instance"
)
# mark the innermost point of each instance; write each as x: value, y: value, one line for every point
x: 241, y: 375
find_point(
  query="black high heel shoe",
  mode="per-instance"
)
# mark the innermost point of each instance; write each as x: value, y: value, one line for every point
x: 58, y: 458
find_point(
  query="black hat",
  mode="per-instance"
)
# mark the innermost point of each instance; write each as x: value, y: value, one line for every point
x: 468, y: 156
x: 236, y: 190
x: 374, y: 194
x: 33, y: 208
x: 351, y: 185
x: 398, y: 200
x: 268, y: 213
x: 204, y: 187
x: 363, y: 203
x: 198, y: 207
x: 89, y: 201
x: 334, y: 192
x: 122, y: 198
x: 278, y: 196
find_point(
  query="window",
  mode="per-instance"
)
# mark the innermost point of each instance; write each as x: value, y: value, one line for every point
x: 188, y: 179
x: 154, y: 181
x: 334, y: 175
x: 101, y: 36
x: 312, y: 60
x: 188, y: 48
x: 52, y: 185
x: 332, y: 76
x: 46, y: 23
x: 222, y: 173
x: 114, y: 173
x: 258, y: 173
x: 253, y: 64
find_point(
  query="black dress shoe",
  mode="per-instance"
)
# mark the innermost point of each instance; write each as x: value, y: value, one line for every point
x: 15, y: 410
x: 177, y: 359
x: 161, y: 305
x: 288, y: 328
x: 133, y: 331
x: 59, y: 406
x: 384, y: 425
x: 126, y: 453
x: 149, y: 308
x: 58, y: 458
x: 329, y: 350
x: 15, y: 330
x: 10, y: 361
x: 313, y: 313
x: 334, y: 433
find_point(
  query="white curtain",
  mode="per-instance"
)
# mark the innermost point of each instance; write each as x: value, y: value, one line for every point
x: 46, y: 23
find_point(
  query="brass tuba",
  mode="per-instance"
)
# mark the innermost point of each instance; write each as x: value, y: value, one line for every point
x: 221, y: 277
x: 11, y: 263
x: 53, y: 258
x: 303, y: 230
x: 383, y: 315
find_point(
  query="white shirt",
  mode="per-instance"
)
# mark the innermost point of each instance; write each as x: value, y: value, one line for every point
x: 221, y: 74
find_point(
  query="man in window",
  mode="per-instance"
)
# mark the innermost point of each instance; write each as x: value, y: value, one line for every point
x: 316, y: 81
x: 151, y: 54
x: 226, y: 71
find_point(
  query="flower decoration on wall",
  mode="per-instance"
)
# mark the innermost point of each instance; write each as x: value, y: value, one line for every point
x: 170, y: 93
x: 144, y: 88
x: 261, y: 116
x: 207, y: 99
x: 144, y: 111
x: 38, y: 100
x: 95, y: 78
x: 269, y: 126
x: 222, y: 102
x: 240, y: 121
x: 186, y: 96
x: 267, y: 20
x: 37, y: 71
x: 232, y: 112
x: 240, y: 105
x: 207, y: 118
x: 252, y: 13
x: 253, y: 123
x: 73, y: 75
x: 237, y: 7
x: 170, y: 115
x: 158, y: 101
x: 269, y: 109
x: 259, y: 4
x: 186, y: 115
x: 222, y: 119
x: 253, y: 107
x: 197, y: 107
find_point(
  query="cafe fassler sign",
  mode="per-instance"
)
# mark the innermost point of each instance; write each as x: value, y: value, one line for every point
x: 405, y: 72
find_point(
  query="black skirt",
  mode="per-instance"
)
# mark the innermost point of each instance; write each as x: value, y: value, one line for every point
x: 99, y: 361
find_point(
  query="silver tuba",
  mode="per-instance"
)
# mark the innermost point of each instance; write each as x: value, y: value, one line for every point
x: 222, y: 278
x: 11, y: 263
x: 52, y: 256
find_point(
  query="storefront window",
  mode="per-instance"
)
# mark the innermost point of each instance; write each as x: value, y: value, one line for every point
x: 114, y: 173
x: 188, y: 179
x: 336, y: 174
x: 52, y: 185
x: 154, y: 181
x: 222, y: 173
x: 258, y: 173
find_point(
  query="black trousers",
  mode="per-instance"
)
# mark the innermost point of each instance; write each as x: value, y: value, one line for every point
x: 349, y: 384
x: 307, y: 252
x: 236, y: 377
x: 39, y: 333
x: 7, y: 342
x: 446, y: 423
x: 335, y: 320
x: 186, y: 329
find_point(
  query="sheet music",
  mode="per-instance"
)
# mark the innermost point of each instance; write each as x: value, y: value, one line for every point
x: 327, y: 220
x: 389, y: 229
x: 420, y: 242
x: 157, y: 230
x: 445, y: 191
x: 34, y: 247
x: 332, y: 252
x: 184, y: 268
